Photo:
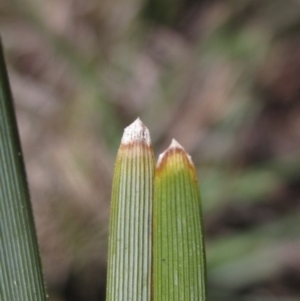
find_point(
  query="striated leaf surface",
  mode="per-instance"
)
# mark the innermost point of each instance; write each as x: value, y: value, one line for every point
x: 21, y: 276
x: 130, y: 235
x: 179, y: 271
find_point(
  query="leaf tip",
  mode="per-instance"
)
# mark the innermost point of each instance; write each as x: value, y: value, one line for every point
x: 175, y: 144
x: 136, y: 132
x: 174, y: 147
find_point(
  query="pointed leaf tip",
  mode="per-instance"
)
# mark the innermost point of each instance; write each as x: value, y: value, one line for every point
x: 174, y: 146
x: 136, y: 132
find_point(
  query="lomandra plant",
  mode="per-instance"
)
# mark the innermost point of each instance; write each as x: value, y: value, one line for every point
x: 156, y: 245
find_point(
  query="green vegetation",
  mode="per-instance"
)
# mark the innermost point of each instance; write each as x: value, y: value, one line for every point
x: 161, y: 257
x: 179, y: 268
x: 130, y: 235
x: 20, y: 267
x: 220, y: 76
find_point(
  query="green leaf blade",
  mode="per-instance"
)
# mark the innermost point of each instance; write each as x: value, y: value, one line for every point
x: 130, y: 241
x: 21, y: 275
x: 179, y: 272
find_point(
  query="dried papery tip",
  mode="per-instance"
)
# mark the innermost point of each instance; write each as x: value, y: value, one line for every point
x: 174, y: 146
x: 136, y: 132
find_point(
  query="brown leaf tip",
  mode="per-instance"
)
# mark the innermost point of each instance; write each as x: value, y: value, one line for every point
x: 136, y: 132
x: 174, y: 147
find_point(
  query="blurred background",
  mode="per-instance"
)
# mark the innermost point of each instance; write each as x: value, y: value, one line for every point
x: 222, y: 77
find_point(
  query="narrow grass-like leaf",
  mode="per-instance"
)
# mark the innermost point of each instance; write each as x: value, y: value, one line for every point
x: 130, y: 241
x: 21, y: 276
x: 179, y: 272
